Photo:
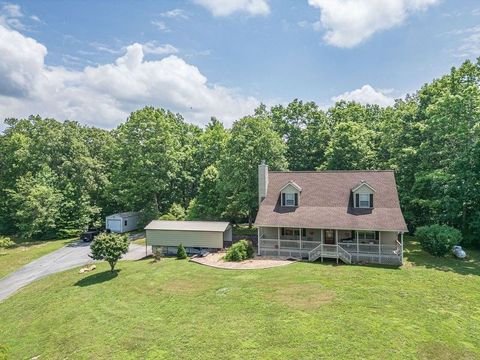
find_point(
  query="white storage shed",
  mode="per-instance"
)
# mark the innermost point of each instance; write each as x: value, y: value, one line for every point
x: 122, y: 222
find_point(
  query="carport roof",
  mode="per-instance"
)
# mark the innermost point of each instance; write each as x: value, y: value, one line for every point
x: 187, y: 225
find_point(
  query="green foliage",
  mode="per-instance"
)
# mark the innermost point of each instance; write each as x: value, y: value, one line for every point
x: 240, y: 251
x: 6, y: 242
x: 176, y: 212
x: 109, y: 247
x: 206, y: 205
x: 181, y: 253
x: 438, y: 240
x: 252, y: 140
x: 61, y: 176
x: 37, y: 204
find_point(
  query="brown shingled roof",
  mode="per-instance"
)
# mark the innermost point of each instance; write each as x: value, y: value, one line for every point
x: 325, y: 201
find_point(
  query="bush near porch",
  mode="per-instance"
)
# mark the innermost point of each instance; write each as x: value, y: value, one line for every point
x: 428, y: 309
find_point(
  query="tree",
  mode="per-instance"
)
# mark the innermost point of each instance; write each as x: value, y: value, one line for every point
x: 206, y: 205
x: 109, y: 247
x: 176, y: 212
x: 181, y: 253
x: 151, y: 171
x: 37, y: 204
x: 252, y: 140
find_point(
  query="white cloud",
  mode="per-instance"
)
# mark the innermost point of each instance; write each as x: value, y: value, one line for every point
x: 160, y: 25
x: 228, y: 7
x: 469, y: 43
x: 349, y: 22
x: 174, y: 13
x: 151, y: 47
x: 104, y: 95
x: 12, y: 10
x: 367, y: 95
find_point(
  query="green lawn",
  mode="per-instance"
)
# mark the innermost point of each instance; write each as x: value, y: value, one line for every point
x: 25, y: 251
x: 429, y: 309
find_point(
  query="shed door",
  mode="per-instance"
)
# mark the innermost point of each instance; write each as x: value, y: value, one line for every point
x: 114, y: 225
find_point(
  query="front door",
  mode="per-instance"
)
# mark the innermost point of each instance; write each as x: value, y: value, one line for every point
x: 329, y: 237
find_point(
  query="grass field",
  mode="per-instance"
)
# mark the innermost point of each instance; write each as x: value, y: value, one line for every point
x: 429, y: 309
x: 25, y: 251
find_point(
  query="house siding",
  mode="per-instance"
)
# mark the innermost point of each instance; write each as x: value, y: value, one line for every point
x: 201, y: 239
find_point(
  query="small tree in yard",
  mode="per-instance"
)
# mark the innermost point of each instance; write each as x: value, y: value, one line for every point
x: 109, y: 247
x: 181, y: 253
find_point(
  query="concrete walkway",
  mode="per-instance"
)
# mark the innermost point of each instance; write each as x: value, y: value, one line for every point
x: 70, y: 256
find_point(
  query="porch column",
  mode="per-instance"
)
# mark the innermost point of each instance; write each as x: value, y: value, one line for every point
x: 379, y: 243
x: 300, y: 242
x: 358, y: 246
x: 258, y: 242
x: 401, y: 243
x: 278, y: 239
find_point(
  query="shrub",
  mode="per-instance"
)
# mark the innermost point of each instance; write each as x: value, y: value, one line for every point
x: 109, y: 247
x: 6, y: 242
x: 240, y: 251
x: 438, y: 240
x: 181, y: 253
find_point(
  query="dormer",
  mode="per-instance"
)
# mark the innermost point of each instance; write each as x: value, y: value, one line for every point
x: 363, y: 195
x: 290, y: 194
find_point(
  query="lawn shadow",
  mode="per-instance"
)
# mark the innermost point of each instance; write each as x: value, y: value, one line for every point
x: 417, y: 257
x: 333, y: 262
x: 97, y: 278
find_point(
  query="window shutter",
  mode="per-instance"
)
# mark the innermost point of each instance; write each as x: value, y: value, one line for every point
x: 371, y: 200
x: 357, y: 200
x: 283, y: 199
x: 377, y: 235
x: 296, y: 199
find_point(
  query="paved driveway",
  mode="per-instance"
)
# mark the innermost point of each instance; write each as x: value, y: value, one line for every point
x: 70, y: 256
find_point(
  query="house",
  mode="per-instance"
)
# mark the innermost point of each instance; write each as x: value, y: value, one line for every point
x: 353, y: 216
x: 193, y: 235
x: 122, y: 222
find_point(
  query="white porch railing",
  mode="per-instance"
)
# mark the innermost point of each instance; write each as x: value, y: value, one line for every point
x: 347, y: 252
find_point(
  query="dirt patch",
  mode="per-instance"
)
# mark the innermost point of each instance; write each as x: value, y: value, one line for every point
x: 215, y: 260
x: 441, y: 351
x: 302, y: 296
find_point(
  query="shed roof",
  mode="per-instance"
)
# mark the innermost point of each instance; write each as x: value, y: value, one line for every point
x: 326, y: 201
x: 124, y: 214
x: 187, y: 225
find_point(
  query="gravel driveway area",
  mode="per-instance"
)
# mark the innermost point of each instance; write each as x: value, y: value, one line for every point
x: 70, y: 256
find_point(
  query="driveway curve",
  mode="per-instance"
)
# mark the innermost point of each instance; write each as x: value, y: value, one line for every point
x: 68, y: 257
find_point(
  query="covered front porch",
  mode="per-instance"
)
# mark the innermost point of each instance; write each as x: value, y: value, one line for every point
x: 350, y: 246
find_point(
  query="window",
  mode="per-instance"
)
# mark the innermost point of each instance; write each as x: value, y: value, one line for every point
x: 367, y: 235
x: 364, y: 200
x: 289, y: 199
x: 293, y: 232
x: 125, y: 223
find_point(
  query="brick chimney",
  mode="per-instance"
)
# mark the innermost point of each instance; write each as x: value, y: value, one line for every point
x: 262, y: 181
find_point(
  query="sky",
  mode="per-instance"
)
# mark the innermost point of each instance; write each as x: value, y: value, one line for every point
x: 96, y: 61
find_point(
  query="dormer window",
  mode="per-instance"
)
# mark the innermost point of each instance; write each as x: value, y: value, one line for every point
x: 363, y: 195
x: 290, y: 193
x: 289, y: 199
x: 364, y: 200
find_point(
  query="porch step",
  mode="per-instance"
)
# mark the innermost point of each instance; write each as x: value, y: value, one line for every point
x: 330, y: 251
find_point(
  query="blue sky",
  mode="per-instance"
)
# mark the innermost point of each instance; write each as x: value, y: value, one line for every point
x: 95, y: 61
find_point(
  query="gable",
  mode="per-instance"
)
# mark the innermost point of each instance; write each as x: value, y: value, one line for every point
x: 363, y: 189
x: 290, y: 189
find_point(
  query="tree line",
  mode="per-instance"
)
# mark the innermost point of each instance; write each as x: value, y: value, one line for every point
x: 57, y: 178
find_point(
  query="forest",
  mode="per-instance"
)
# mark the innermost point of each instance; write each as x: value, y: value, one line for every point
x: 58, y: 178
